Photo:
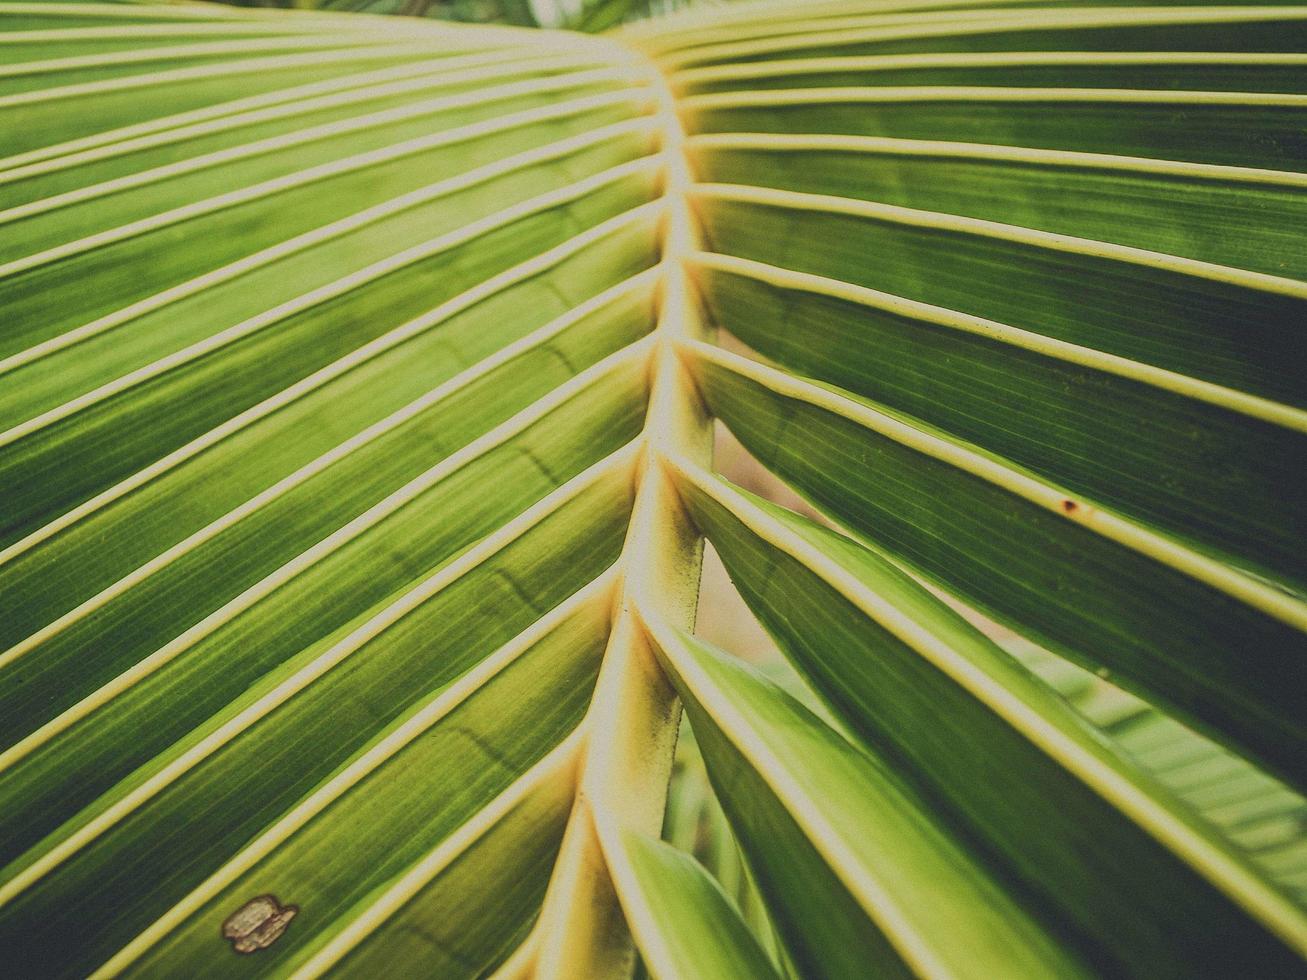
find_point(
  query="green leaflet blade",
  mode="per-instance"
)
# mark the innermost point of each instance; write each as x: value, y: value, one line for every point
x: 944, y: 705
x: 856, y: 871
x: 696, y: 930
x: 1218, y: 647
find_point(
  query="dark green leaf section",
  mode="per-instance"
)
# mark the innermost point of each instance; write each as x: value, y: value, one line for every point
x: 1022, y: 30
x: 1230, y: 333
x: 1258, y: 814
x: 1199, y: 131
x: 1232, y: 669
x: 371, y: 835
x: 699, y: 930
x: 189, y: 828
x: 1246, y: 224
x: 857, y: 872
x: 1090, y: 868
x: 1215, y: 476
x: 1251, y: 73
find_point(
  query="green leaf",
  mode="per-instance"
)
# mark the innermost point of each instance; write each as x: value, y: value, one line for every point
x: 359, y: 384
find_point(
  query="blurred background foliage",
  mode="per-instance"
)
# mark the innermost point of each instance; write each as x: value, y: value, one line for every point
x: 582, y: 15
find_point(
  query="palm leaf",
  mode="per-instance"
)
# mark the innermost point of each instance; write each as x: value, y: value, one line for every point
x: 360, y: 378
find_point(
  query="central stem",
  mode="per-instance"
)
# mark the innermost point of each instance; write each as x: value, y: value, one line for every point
x: 630, y: 728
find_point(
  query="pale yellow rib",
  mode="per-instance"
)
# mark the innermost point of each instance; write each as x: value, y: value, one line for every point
x: 959, y: 23
x: 366, y: 437
x: 624, y: 775
x: 623, y: 779
x: 558, y: 765
x: 181, y: 29
x: 215, y: 16
x: 480, y: 552
x: 179, y: 75
x: 284, y: 141
x: 878, y: 901
x: 980, y: 93
x: 580, y: 930
x: 520, y: 965
x: 242, y: 112
x: 336, y: 229
x: 917, y: 218
x: 700, y: 25
x: 1027, y: 708
x: 974, y: 59
x: 131, y: 32
x: 1205, y: 391
x: 609, y: 825
x: 217, y: 19
x: 58, y: 156
x: 428, y: 715
x: 304, y: 385
x: 799, y: 142
x: 667, y: 49
x: 209, y: 49
x: 1265, y: 598
x: 323, y: 294
x: 306, y: 560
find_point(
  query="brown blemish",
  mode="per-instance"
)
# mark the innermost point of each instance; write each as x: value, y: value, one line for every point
x: 258, y: 923
x: 1069, y: 506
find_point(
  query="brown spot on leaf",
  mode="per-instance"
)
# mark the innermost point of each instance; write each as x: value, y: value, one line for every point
x: 1069, y: 506
x: 258, y: 923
